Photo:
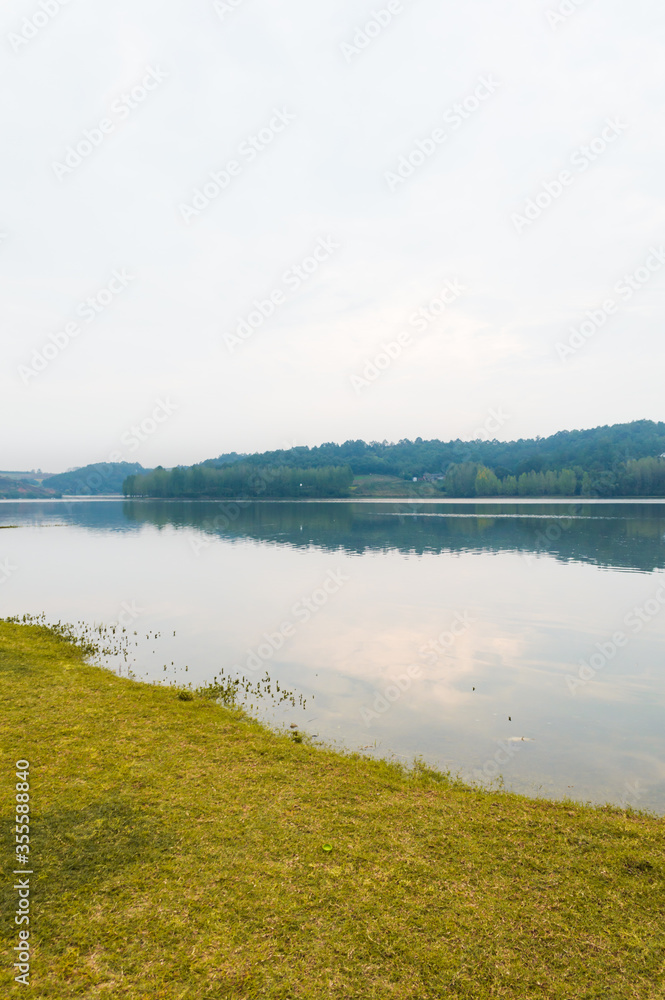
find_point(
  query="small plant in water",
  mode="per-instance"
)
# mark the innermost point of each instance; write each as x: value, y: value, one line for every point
x: 98, y: 642
x: 228, y: 690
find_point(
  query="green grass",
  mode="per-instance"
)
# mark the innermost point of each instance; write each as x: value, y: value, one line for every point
x: 384, y: 487
x: 178, y: 852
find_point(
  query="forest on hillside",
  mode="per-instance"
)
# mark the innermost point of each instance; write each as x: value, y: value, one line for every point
x: 622, y: 460
x: 595, y: 451
x: 614, y: 461
x: 640, y: 477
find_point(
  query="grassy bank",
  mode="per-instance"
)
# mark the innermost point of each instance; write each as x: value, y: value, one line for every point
x: 178, y: 853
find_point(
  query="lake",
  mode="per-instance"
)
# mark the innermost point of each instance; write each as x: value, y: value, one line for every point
x: 524, y: 640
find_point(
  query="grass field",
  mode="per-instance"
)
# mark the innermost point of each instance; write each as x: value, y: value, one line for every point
x: 178, y: 852
x: 392, y: 486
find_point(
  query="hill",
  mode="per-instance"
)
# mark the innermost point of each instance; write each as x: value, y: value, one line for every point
x: 609, y: 461
x: 621, y: 460
x: 95, y: 480
x: 24, y: 489
x: 600, y: 448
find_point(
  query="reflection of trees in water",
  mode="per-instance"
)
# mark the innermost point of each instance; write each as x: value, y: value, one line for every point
x: 630, y: 536
x: 611, y: 535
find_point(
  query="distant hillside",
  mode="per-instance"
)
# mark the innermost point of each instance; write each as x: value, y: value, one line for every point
x: 32, y: 476
x: 95, y: 480
x: 601, y: 448
x: 24, y: 489
x: 618, y: 460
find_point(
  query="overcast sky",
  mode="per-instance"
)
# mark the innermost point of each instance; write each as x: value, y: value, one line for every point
x: 424, y: 199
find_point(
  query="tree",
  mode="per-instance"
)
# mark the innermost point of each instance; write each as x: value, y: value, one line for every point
x: 460, y: 480
x: 487, y: 483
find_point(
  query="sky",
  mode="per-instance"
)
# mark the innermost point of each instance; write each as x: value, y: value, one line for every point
x: 236, y: 225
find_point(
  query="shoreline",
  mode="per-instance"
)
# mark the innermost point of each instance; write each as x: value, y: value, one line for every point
x: 182, y: 849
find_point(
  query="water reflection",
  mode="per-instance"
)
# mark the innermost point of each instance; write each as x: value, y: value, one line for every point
x: 612, y: 535
x: 628, y: 536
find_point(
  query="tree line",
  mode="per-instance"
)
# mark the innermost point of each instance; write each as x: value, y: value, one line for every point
x: 638, y: 477
x: 240, y: 480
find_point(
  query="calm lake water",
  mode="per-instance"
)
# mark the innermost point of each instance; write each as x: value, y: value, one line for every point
x: 524, y: 640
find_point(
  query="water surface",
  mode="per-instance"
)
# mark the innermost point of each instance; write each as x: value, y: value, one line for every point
x: 459, y: 632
